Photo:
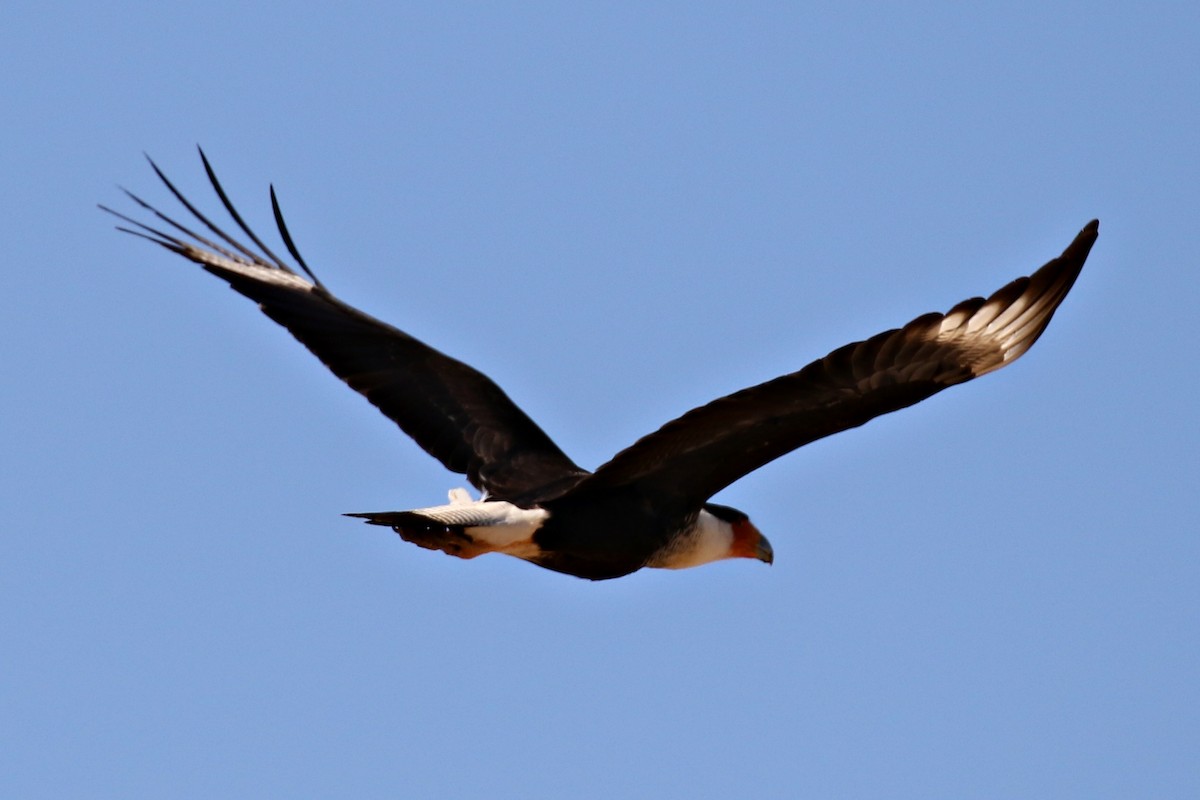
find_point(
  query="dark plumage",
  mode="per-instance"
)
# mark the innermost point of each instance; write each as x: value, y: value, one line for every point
x: 648, y: 506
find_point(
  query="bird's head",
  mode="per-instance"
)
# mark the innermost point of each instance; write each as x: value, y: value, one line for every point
x: 748, y: 541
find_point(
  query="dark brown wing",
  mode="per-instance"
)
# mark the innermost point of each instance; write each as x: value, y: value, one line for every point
x: 691, y: 458
x: 457, y: 414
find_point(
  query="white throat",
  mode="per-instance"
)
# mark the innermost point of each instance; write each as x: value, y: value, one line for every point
x: 709, y: 539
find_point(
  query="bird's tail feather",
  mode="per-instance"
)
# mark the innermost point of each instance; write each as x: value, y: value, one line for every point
x: 397, y: 519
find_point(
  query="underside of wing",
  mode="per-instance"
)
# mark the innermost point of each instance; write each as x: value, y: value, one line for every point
x: 693, y: 457
x: 457, y: 414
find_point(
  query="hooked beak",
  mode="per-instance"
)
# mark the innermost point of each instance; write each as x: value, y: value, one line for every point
x: 763, y: 551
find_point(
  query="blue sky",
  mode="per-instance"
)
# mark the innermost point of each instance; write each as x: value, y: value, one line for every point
x: 617, y: 212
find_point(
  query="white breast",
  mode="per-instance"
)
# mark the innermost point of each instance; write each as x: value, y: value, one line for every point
x: 709, y: 539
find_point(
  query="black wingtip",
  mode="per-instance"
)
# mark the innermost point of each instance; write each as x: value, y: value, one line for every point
x: 157, y: 171
x: 1091, y: 231
x: 287, y: 238
x: 1079, y: 248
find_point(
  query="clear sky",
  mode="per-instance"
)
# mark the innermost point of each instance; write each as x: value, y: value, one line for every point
x: 617, y: 211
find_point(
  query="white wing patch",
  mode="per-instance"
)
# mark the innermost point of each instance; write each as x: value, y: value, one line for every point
x: 254, y: 271
x: 953, y: 321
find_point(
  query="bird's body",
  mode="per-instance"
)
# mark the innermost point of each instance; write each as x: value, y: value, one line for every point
x: 597, y: 541
x: 649, y: 505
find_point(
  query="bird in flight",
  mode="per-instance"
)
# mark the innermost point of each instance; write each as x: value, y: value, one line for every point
x: 649, y: 505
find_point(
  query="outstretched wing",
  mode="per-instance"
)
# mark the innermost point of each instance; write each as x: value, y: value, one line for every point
x: 691, y: 458
x: 457, y: 414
